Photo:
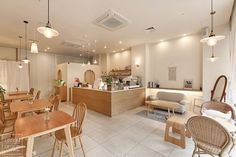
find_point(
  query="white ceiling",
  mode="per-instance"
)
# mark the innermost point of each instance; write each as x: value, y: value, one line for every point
x: 74, y: 19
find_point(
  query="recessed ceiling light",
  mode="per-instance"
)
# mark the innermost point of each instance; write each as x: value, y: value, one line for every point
x: 120, y: 42
x: 105, y: 47
x: 48, y: 48
x: 184, y: 34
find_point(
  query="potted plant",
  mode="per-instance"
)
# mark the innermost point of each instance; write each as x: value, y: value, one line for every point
x: 109, y: 82
x: 2, y: 92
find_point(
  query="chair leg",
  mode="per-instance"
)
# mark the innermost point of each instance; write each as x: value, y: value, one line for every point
x: 60, y: 155
x: 81, y: 145
x: 194, y: 151
x: 53, y: 148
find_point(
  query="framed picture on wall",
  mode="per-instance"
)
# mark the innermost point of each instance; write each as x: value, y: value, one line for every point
x: 188, y: 84
x: 172, y: 73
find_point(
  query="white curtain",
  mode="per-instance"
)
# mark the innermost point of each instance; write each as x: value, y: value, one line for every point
x: 232, y: 79
x: 11, y: 77
x: 43, y: 72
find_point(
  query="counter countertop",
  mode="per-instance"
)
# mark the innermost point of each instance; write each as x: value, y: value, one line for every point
x: 124, y: 90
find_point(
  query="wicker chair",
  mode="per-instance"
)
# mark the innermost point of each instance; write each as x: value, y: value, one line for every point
x: 209, y: 136
x: 79, y: 114
x: 219, y: 106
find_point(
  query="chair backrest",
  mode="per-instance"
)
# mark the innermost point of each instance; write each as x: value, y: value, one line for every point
x: 218, y: 92
x: 31, y: 91
x: 209, y: 132
x: 79, y: 114
x: 218, y: 106
x: 37, y: 95
x: 2, y: 116
x: 56, y: 101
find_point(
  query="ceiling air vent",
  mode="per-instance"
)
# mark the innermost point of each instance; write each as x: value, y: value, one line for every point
x: 71, y: 44
x: 111, y: 21
x: 150, y: 29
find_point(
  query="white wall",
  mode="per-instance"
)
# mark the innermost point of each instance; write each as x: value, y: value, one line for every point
x: 76, y: 70
x: 120, y: 59
x: 211, y: 71
x: 7, y: 53
x: 184, y: 53
x: 63, y: 68
x: 138, y: 56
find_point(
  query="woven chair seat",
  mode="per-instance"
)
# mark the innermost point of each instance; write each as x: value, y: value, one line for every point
x: 60, y: 134
x: 208, y: 147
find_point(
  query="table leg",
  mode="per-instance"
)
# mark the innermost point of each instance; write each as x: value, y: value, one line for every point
x: 168, y: 112
x: 29, y: 149
x: 69, y: 140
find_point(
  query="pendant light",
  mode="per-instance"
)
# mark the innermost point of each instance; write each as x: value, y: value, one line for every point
x: 20, y: 65
x: 47, y: 30
x: 212, y: 39
x: 26, y: 60
x: 212, y: 58
x: 34, y: 47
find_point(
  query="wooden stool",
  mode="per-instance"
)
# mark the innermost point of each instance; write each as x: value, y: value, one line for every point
x: 178, y: 126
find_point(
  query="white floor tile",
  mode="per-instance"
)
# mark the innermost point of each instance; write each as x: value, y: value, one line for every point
x: 119, y: 145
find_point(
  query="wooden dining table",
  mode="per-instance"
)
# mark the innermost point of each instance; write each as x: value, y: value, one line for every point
x: 35, y: 126
x: 17, y: 93
x: 20, y: 107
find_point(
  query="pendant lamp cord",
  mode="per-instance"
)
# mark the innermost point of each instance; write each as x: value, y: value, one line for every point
x: 212, y: 51
x: 20, y: 49
x: 26, y: 55
x: 212, y: 17
x: 48, y: 11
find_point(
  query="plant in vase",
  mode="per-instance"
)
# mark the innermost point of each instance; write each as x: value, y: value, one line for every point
x: 109, y: 82
x: 2, y: 92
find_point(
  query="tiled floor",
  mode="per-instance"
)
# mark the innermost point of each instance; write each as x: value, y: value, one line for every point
x: 125, y: 135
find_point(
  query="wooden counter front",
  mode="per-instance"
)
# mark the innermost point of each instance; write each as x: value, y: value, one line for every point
x: 109, y: 103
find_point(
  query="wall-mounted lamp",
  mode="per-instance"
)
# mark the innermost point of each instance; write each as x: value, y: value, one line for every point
x: 137, y: 63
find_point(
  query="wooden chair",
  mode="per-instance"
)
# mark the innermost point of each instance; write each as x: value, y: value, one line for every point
x: 218, y: 106
x: 79, y: 114
x: 56, y: 102
x: 13, y: 149
x: 218, y: 92
x: 7, y: 122
x: 31, y: 91
x: 209, y: 136
x: 37, y: 95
